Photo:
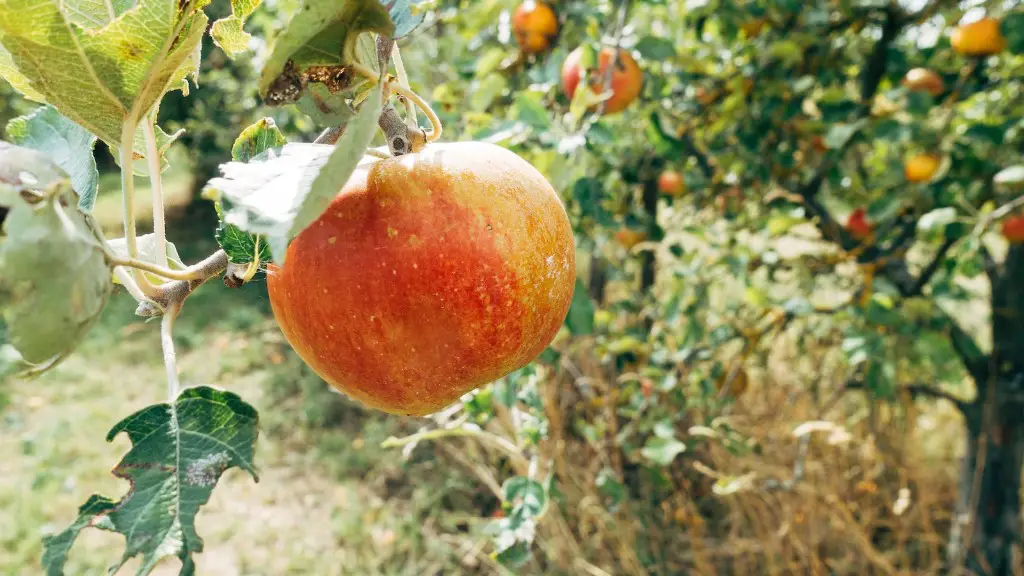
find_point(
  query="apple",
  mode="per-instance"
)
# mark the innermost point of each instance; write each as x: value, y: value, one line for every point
x: 628, y: 237
x: 924, y: 80
x: 921, y: 167
x: 627, y: 78
x: 858, y: 225
x: 534, y: 24
x: 671, y: 183
x: 429, y: 275
x: 1013, y: 229
x: 979, y: 38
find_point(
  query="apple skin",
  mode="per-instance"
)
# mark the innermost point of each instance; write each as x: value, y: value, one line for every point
x: 671, y: 183
x: 534, y: 24
x: 429, y: 275
x: 627, y: 77
x: 1013, y: 229
x: 980, y: 38
x: 924, y: 80
x: 921, y: 168
x: 858, y: 224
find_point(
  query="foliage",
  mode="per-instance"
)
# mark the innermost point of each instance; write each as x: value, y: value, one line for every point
x: 788, y: 122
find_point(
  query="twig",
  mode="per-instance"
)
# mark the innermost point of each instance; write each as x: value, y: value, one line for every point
x: 932, y: 267
x: 165, y: 296
x: 461, y: 431
x: 403, y: 81
x: 918, y: 390
x: 156, y: 186
x: 191, y: 273
x: 167, y: 343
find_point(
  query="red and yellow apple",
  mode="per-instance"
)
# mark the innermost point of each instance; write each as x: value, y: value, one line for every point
x: 858, y: 224
x: 626, y: 82
x: 924, y: 80
x: 671, y: 183
x: 979, y: 38
x: 629, y: 237
x: 534, y: 24
x: 429, y: 275
x: 921, y: 167
x: 1013, y: 229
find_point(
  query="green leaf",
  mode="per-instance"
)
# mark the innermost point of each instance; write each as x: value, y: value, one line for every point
x: 654, y: 48
x: 403, y: 16
x: 9, y: 72
x: 662, y: 451
x: 178, y: 454
x: 257, y: 139
x: 315, y: 62
x: 227, y: 32
x: 67, y: 143
x: 147, y: 251
x: 124, y: 57
x: 527, y: 497
x: 580, y: 319
x: 282, y: 190
x: 936, y: 219
x: 54, y: 277
x: 839, y: 134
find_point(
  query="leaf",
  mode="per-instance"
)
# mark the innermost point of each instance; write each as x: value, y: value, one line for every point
x: 96, y: 69
x: 654, y: 48
x: 662, y: 451
x: 257, y: 139
x: 54, y: 277
x: 1010, y: 176
x: 315, y: 63
x: 9, y: 72
x: 580, y: 319
x: 227, y: 32
x: 527, y: 497
x: 178, y: 454
x: 839, y: 134
x: 281, y: 191
x: 403, y: 16
x: 936, y: 219
x: 67, y: 143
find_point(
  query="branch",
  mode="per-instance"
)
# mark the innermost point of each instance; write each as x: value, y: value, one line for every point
x: 164, y: 298
x: 926, y: 275
x: 919, y: 390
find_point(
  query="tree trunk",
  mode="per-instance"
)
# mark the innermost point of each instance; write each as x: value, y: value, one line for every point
x: 986, y: 531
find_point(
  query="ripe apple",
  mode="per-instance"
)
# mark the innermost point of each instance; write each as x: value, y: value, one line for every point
x: 858, y: 225
x: 924, y: 80
x: 627, y: 78
x: 921, y: 167
x: 671, y: 183
x: 979, y: 38
x: 429, y: 275
x: 534, y: 24
x: 1013, y: 229
x: 628, y: 237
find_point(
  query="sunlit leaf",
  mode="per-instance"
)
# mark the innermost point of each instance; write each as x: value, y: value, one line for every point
x: 228, y: 33
x: 69, y: 145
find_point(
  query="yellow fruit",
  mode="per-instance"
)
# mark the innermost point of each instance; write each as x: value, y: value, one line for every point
x: 921, y: 168
x: 534, y: 25
x: 980, y: 38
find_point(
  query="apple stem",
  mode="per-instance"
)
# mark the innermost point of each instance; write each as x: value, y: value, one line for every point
x: 156, y: 184
x: 412, y: 98
x: 403, y: 80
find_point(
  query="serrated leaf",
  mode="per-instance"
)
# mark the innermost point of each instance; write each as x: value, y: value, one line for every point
x: 101, y: 63
x: 178, y: 454
x: 67, y: 143
x: 315, y: 62
x: 403, y: 16
x: 662, y: 451
x: 227, y: 32
x: 281, y: 191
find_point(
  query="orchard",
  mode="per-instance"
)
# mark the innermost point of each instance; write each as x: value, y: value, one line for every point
x: 634, y: 286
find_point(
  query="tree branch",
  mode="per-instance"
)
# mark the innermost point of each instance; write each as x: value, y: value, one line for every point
x: 926, y: 275
x: 168, y: 296
x: 918, y: 390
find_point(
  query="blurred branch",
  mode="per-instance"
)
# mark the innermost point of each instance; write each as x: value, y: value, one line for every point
x: 932, y: 267
x: 917, y: 391
x: 874, y: 70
